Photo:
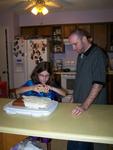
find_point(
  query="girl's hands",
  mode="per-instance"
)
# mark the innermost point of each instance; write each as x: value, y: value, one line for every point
x: 41, y: 88
x: 45, y: 88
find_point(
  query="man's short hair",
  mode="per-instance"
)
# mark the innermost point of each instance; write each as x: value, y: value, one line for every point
x: 81, y: 32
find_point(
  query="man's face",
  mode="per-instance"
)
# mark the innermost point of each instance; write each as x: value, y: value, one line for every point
x: 77, y: 43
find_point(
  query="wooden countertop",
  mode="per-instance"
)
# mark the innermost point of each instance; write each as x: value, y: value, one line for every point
x: 95, y: 125
x: 110, y: 72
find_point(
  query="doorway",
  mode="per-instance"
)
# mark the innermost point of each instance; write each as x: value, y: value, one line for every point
x: 4, y: 74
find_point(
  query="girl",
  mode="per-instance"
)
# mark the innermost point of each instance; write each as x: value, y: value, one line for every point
x: 41, y: 83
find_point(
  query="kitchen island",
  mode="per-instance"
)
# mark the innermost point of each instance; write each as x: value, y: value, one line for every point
x: 95, y: 125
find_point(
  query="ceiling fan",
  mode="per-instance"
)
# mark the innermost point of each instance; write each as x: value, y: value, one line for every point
x: 41, y: 6
x: 50, y: 3
x: 28, y: 5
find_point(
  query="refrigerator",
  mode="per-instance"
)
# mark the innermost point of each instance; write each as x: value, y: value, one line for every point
x: 26, y: 54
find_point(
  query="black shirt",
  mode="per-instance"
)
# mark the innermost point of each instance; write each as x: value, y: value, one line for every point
x: 91, y: 68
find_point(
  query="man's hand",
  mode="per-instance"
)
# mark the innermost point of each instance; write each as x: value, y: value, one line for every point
x: 78, y: 110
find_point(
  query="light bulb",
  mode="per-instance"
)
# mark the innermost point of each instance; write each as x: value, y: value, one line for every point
x: 44, y: 11
x: 34, y: 10
x: 40, y: 9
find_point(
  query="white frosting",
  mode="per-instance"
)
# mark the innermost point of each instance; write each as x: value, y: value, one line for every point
x: 35, y: 102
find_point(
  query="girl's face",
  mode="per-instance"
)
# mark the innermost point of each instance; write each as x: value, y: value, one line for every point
x: 43, y: 77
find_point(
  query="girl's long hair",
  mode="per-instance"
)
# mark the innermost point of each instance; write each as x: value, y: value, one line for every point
x: 40, y: 67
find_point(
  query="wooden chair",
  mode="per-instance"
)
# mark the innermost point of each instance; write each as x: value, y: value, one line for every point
x: 13, y: 95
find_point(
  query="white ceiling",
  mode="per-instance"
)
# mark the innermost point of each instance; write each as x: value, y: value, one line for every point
x: 67, y: 5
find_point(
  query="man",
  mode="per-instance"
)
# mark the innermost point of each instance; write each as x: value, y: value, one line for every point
x: 90, y: 80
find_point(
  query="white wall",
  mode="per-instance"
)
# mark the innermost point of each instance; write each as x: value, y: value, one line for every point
x: 67, y: 17
x: 10, y: 21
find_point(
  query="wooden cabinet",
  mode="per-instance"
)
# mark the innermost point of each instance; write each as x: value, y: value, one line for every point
x: 100, y: 34
x: 9, y: 140
x: 86, y: 27
x: 110, y: 36
x: 110, y: 88
x: 27, y: 32
x: 67, y: 29
x: 36, y: 31
x: 45, y: 31
x: 98, y: 31
x: 1, y: 141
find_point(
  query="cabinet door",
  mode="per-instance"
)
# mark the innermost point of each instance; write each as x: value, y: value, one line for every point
x: 27, y: 31
x: 86, y: 27
x: 109, y: 88
x: 67, y: 29
x: 9, y: 140
x: 1, y: 141
x: 44, y: 30
x: 100, y: 35
x: 110, y: 36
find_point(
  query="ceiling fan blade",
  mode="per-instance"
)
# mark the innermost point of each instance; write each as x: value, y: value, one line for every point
x: 29, y: 6
x: 12, y: 1
x: 52, y: 4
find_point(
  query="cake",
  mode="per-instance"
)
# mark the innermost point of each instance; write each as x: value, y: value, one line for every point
x: 32, y: 102
x: 18, y: 102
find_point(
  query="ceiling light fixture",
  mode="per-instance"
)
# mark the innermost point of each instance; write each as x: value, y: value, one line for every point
x: 39, y: 8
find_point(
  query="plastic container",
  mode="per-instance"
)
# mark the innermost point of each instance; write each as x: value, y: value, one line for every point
x: 10, y: 109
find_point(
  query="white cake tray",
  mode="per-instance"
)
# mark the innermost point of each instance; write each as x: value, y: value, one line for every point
x: 10, y: 109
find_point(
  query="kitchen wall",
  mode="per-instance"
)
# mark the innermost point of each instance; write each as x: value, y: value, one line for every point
x: 10, y: 21
x: 68, y: 58
x: 13, y: 22
x: 67, y: 17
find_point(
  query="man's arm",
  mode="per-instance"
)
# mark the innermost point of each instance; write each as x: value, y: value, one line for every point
x: 95, y: 90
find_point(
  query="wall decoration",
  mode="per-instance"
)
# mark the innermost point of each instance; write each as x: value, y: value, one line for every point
x: 38, y: 49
